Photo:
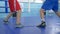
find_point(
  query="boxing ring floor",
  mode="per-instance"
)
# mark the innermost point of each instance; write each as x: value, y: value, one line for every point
x: 30, y: 23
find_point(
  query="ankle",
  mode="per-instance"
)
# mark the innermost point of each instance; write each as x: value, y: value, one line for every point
x: 18, y: 23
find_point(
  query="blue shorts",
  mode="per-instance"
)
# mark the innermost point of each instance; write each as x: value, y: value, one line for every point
x: 48, y: 5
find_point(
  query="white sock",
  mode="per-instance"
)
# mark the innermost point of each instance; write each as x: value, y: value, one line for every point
x: 42, y: 19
